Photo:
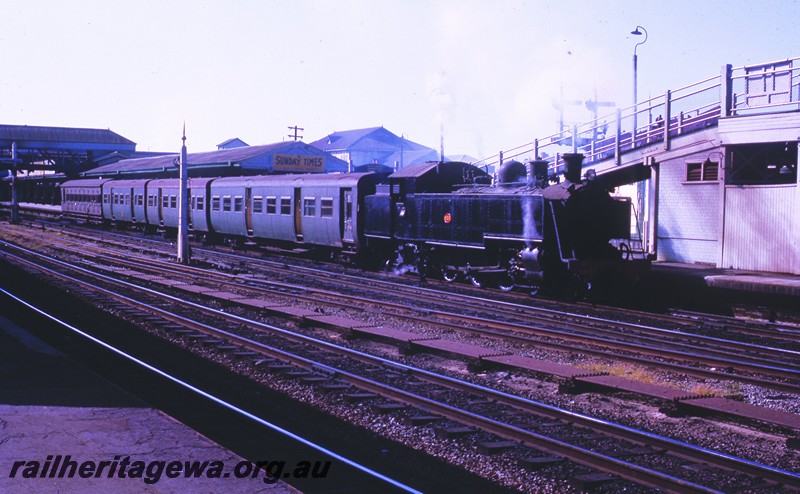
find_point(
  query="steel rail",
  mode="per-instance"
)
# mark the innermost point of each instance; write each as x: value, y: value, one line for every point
x: 706, y: 355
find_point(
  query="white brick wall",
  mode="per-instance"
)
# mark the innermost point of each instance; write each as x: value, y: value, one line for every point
x: 688, y: 215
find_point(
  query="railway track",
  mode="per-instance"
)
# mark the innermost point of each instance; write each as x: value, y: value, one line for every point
x: 670, y: 349
x: 337, y: 370
x: 691, y: 401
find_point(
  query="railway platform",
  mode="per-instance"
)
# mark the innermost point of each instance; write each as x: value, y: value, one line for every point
x: 65, y: 429
x: 706, y: 287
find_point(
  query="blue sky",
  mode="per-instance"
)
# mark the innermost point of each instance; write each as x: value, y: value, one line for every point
x: 485, y: 71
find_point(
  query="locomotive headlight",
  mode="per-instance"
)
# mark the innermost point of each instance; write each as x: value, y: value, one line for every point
x: 590, y: 175
x: 447, y: 218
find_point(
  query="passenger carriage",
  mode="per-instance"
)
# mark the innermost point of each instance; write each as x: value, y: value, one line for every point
x: 312, y: 210
x: 162, y: 203
x: 124, y: 201
x: 82, y: 199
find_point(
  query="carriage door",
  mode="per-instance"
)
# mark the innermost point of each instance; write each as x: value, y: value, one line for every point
x: 298, y: 215
x: 347, y: 211
x: 161, y: 206
x: 248, y: 210
x: 129, y: 203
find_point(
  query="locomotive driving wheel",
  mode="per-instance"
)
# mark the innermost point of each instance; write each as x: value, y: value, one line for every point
x: 450, y: 275
x: 506, y: 283
x: 476, y: 280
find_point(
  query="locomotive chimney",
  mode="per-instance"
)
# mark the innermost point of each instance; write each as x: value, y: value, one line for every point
x: 540, y: 172
x: 572, y: 170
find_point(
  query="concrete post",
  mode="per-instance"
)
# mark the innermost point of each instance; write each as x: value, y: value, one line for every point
x: 184, y: 251
x: 14, y: 199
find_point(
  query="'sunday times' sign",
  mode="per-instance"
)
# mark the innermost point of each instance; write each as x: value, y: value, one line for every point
x: 298, y: 163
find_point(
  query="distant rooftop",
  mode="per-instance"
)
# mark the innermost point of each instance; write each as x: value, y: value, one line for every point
x: 61, y: 134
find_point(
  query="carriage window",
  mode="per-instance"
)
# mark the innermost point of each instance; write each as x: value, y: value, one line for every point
x: 151, y: 200
x: 193, y: 203
x: 226, y: 203
x: 238, y: 204
x: 127, y: 199
x: 286, y: 205
x: 271, y: 205
x: 215, y: 203
x: 258, y: 204
x: 326, y: 207
x: 309, y: 206
x: 105, y: 198
x: 201, y: 202
x: 173, y: 202
x: 140, y: 199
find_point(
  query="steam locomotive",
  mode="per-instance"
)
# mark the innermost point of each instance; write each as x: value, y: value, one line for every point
x: 437, y: 219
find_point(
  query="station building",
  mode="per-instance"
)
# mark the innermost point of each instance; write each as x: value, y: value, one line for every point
x: 232, y: 158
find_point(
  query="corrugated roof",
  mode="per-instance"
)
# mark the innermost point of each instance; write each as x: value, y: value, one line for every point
x: 413, y: 171
x: 344, y: 139
x: 412, y: 156
x: 219, y: 157
x: 61, y: 134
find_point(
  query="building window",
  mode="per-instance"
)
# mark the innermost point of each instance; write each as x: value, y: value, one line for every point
x: 708, y: 171
x: 309, y: 206
x: 286, y: 205
x: 762, y: 164
x: 272, y: 205
x: 326, y: 207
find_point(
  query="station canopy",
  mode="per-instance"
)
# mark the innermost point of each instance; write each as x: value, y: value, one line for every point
x: 58, y: 149
x: 282, y: 157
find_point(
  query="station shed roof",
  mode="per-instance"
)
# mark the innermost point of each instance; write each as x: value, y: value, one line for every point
x: 282, y: 157
x: 62, y: 137
x: 58, y: 149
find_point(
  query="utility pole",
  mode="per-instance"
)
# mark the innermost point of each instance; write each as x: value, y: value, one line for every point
x: 295, y: 136
x: 184, y: 251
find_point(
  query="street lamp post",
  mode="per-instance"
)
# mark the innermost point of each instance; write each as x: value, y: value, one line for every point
x: 636, y: 32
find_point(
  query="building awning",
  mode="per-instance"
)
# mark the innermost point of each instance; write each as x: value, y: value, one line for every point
x: 623, y: 175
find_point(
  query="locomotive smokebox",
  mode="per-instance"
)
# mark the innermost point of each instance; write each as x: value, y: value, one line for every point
x: 572, y: 169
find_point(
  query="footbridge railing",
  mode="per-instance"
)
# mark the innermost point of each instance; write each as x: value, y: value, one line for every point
x: 763, y: 88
